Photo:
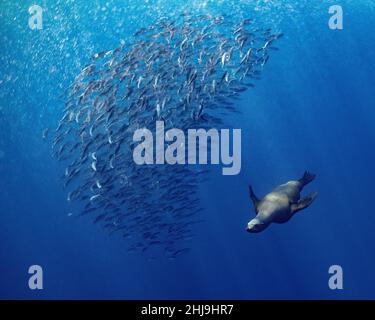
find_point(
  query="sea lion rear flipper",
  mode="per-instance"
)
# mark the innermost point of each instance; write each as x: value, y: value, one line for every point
x: 254, y: 199
x: 304, y: 203
x: 307, y: 178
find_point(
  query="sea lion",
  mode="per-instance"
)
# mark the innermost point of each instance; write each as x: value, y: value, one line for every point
x: 281, y: 204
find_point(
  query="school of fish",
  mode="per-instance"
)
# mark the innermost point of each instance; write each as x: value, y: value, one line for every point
x: 188, y: 72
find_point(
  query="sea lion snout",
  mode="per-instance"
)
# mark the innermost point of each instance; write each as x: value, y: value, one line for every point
x: 255, y: 226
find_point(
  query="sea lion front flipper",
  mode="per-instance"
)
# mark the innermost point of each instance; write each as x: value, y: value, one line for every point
x: 304, y: 203
x: 254, y: 199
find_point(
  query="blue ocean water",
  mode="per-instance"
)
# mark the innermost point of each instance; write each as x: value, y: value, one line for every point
x: 313, y: 109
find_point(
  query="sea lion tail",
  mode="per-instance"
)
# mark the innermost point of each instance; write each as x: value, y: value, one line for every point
x: 307, y: 178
